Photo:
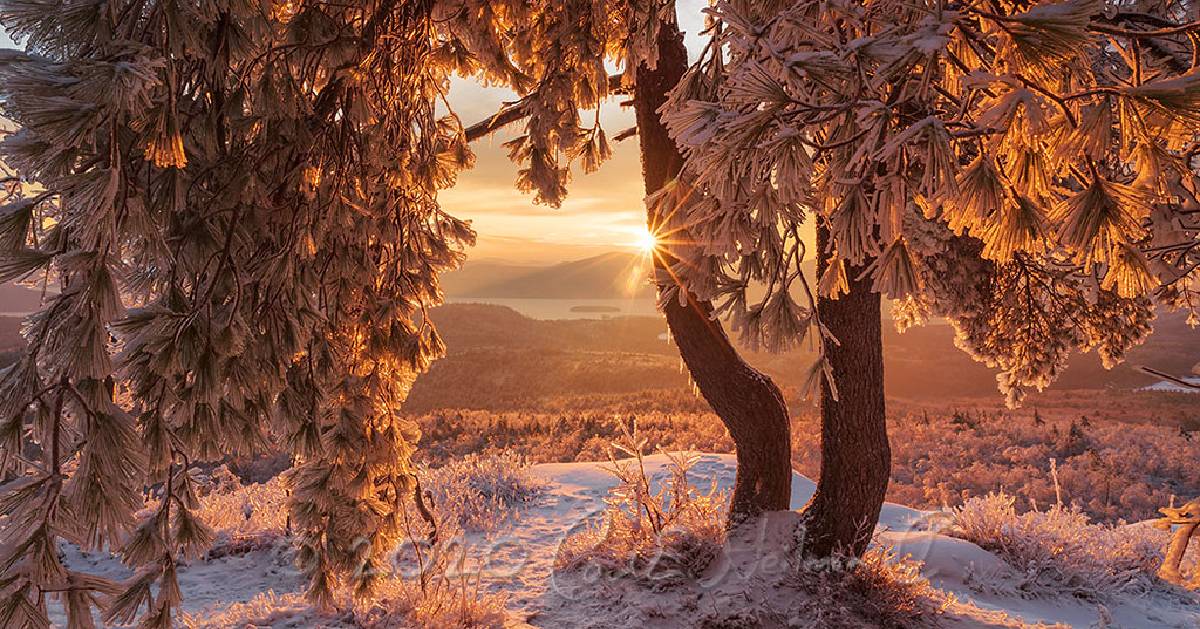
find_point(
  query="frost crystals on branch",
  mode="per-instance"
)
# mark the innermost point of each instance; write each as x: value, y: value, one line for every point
x: 1026, y: 171
x: 238, y: 203
x: 240, y: 209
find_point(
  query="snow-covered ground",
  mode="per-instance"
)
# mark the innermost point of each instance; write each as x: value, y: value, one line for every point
x: 1166, y: 386
x: 260, y: 588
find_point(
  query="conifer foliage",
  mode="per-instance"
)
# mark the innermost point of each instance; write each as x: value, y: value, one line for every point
x: 238, y: 204
x: 1026, y: 170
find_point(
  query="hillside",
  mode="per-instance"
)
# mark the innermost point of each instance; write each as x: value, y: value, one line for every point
x: 607, y: 276
x: 500, y: 360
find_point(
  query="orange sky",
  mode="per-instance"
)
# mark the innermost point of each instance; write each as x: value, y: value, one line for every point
x: 603, y: 211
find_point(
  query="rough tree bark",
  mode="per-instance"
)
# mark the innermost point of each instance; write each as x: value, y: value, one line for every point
x: 747, y: 401
x: 855, y: 456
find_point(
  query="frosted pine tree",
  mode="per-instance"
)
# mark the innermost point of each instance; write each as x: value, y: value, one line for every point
x: 238, y: 202
x: 238, y: 205
x: 1025, y: 170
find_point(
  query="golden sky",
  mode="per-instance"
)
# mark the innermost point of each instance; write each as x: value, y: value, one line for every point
x: 603, y: 211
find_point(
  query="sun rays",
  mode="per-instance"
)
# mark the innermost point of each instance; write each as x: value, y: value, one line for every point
x: 645, y: 241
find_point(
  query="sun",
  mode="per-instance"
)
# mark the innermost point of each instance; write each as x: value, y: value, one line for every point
x: 645, y: 241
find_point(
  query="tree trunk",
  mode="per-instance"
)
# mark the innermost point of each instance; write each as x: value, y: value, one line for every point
x: 747, y: 401
x: 855, y: 457
x: 1169, y: 571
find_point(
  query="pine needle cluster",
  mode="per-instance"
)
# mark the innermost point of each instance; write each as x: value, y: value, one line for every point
x: 1023, y: 169
x: 234, y: 206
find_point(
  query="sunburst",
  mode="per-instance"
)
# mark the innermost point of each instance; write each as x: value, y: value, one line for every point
x: 645, y: 241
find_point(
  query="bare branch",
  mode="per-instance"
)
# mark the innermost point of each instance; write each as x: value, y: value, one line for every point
x: 510, y: 113
x: 626, y: 134
x: 1169, y: 378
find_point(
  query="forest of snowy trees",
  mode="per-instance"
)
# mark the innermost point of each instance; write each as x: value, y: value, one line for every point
x: 238, y: 205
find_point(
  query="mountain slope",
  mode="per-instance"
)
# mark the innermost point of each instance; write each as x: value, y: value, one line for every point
x: 607, y: 276
x: 478, y: 276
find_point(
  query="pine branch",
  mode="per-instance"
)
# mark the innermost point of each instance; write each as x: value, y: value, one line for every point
x: 626, y: 134
x: 510, y: 113
x: 518, y: 110
x: 1173, y: 29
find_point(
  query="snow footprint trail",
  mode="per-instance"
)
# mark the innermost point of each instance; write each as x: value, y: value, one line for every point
x: 519, y: 561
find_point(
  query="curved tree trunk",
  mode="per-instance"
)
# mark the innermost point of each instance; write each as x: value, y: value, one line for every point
x: 855, y: 456
x: 748, y: 402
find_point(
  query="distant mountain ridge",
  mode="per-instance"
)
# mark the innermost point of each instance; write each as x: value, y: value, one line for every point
x: 495, y: 351
x: 498, y: 358
x: 614, y: 275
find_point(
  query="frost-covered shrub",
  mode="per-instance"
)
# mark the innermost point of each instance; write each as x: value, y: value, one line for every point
x: 434, y: 581
x: 482, y: 491
x: 1112, y: 470
x: 252, y: 508
x: 220, y: 480
x: 245, y: 518
x: 891, y: 591
x: 451, y: 604
x: 399, y: 604
x: 1060, y: 549
x: 265, y: 609
x: 662, y: 535
x: 880, y: 589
